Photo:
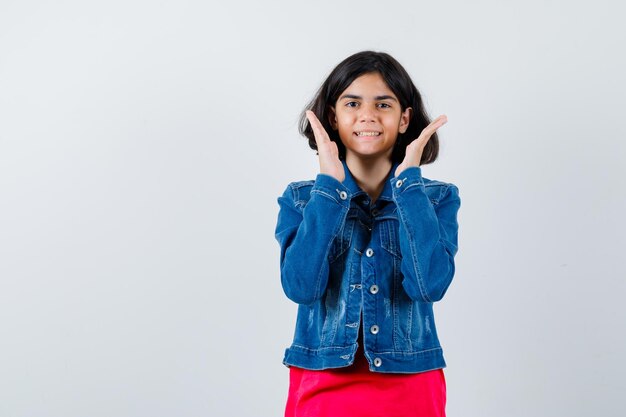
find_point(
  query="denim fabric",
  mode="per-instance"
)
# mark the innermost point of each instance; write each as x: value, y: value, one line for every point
x: 350, y: 264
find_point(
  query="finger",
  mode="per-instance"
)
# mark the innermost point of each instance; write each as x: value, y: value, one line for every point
x: 432, y: 128
x: 437, y: 123
x: 318, y: 130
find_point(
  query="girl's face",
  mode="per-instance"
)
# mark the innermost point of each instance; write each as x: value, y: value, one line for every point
x: 369, y: 118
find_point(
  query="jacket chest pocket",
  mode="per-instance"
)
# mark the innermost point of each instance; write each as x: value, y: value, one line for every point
x: 389, y: 235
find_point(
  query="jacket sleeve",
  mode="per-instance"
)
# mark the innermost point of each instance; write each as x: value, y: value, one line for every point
x: 306, y: 234
x: 428, y: 235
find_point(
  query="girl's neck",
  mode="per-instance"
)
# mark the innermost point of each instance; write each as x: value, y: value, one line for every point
x: 369, y: 174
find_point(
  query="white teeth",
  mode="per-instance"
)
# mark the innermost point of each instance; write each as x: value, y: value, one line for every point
x: 368, y: 133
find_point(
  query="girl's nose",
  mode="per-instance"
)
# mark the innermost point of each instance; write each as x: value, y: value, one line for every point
x: 367, y: 114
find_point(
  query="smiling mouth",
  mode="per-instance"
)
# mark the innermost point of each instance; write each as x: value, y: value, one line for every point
x: 367, y: 134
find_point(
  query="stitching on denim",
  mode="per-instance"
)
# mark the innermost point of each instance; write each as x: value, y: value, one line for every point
x: 300, y: 184
x: 344, y: 235
x: 336, y: 229
x: 331, y: 321
x: 297, y: 186
x: 340, y: 348
x: 409, y: 326
x: 394, y: 306
x: 417, y: 184
x: 325, y: 194
x: 443, y: 189
x: 418, y: 273
x: 435, y: 183
x: 391, y: 229
x: 404, y: 353
x: 387, y: 232
x: 444, y: 244
x: 383, y: 352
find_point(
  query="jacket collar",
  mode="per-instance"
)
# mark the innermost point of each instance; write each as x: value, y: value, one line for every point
x: 355, y: 190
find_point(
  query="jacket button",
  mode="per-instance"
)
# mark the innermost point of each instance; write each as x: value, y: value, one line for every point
x: 374, y: 329
x: 369, y: 252
x: 343, y: 195
x: 375, y: 212
x: 374, y: 289
x: 399, y: 183
x: 378, y: 362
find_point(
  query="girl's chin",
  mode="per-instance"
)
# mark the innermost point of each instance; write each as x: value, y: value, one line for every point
x: 369, y: 152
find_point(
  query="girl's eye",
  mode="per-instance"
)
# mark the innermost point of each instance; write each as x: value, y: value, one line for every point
x: 384, y: 105
x: 352, y: 104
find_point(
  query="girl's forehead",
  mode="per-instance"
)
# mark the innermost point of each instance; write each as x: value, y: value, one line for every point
x: 369, y: 84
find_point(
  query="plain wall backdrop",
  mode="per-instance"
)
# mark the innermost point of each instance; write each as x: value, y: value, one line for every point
x: 143, y: 145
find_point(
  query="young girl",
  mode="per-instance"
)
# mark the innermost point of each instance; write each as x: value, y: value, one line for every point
x: 366, y: 249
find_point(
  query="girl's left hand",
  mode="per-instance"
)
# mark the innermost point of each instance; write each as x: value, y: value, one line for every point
x: 414, y: 150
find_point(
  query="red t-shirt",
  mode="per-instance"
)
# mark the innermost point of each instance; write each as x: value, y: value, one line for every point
x: 356, y: 391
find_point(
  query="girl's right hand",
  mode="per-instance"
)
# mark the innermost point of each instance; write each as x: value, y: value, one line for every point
x: 326, y: 149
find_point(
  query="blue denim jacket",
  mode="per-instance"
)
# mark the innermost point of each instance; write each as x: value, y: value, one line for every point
x: 352, y: 265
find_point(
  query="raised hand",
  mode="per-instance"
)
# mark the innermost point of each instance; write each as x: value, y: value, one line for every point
x: 326, y: 149
x: 415, y: 149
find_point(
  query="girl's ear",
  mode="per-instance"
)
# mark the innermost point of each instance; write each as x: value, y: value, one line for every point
x: 404, y: 119
x: 332, y: 117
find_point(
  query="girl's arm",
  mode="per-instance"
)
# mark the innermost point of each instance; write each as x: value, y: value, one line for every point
x: 428, y: 235
x: 306, y: 234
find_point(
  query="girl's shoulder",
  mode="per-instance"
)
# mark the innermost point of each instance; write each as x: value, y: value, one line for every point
x: 294, y: 185
x: 433, y: 183
x: 439, y: 191
x: 296, y: 188
x: 437, y: 184
x: 299, y: 192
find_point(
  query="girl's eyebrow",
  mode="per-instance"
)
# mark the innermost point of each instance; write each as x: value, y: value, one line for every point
x: 352, y: 96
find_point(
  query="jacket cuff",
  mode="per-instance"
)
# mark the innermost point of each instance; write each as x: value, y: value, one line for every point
x: 410, y: 177
x: 330, y: 187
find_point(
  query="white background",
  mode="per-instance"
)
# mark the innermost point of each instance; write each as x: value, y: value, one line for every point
x: 143, y: 145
